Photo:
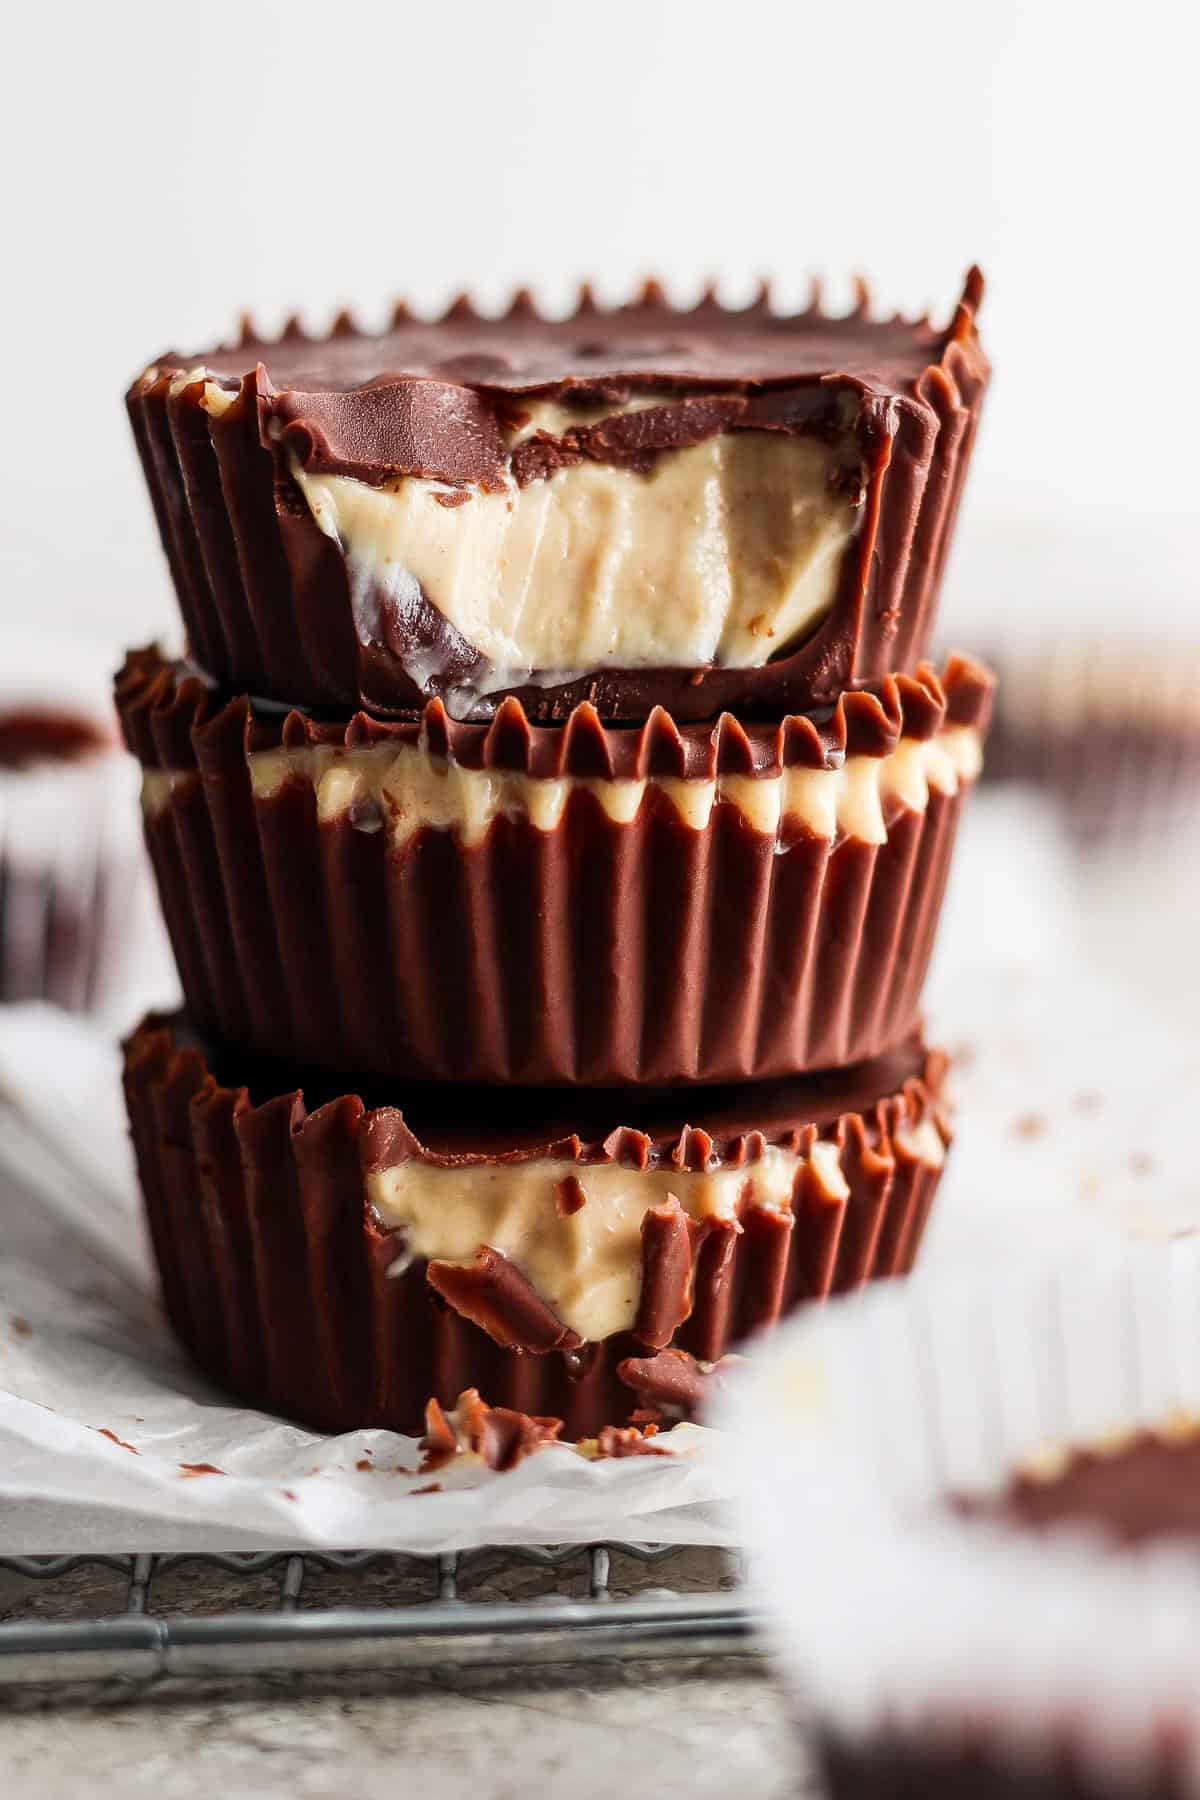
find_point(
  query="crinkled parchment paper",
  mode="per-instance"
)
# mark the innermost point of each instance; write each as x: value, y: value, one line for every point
x: 1076, y: 1091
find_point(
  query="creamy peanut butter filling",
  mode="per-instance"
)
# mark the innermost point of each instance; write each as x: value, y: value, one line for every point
x: 725, y: 552
x: 215, y: 399
x: 587, y: 1266
x: 405, y: 789
x: 587, y: 1263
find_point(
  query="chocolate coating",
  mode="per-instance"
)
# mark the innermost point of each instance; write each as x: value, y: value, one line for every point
x: 1143, y: 1492
x: 30, y: 735
x: 266, y: 595
x: 892, y: 1767
x: 445, y: 1124
x: 596, y: 354
x: 168, y: 713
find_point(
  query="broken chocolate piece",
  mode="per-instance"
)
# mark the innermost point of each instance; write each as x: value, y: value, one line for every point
x: 666, y: 1274
x: 569, y: 1196
x: 669, y: 1378
x: 494, y: 1295
x: 500, y: 1435
x: 628, y: 1440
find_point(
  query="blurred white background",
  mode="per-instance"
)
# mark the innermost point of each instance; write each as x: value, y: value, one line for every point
x: 168, y: 166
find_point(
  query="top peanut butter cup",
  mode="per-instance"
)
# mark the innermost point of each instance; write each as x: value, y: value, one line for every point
x: 707, y: 510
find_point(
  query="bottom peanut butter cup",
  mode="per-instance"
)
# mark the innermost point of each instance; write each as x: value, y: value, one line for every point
x: 580, y: 1257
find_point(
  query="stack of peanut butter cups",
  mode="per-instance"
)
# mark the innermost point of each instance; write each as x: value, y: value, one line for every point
x: 551, y: 821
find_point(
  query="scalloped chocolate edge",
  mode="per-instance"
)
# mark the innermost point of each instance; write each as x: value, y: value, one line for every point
x: 173, y: 719
x: 279, y: 1279
x: 891, y: 1094
x: 266, y: 597
x: 649, y: 297
x: 247, y: 1156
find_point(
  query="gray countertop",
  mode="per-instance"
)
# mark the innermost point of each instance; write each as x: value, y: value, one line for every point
x: 660, y: 1729
x: 646, y: 1732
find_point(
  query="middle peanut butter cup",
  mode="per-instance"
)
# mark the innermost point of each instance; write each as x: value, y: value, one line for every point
x: 585, y: 903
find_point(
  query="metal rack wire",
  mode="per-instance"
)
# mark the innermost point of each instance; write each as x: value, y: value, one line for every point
x: 433, y: 1619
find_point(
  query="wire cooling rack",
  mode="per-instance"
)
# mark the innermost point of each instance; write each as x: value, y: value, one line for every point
x: 135, y: 1620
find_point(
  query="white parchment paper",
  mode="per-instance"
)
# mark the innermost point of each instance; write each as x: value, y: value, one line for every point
x: 1076, y: 1093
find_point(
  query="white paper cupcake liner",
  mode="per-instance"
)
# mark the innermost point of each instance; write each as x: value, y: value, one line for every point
x: 902, y: 1622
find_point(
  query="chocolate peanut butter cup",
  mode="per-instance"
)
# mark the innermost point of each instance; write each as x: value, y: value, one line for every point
x: 539, y: 905
x: 705, y: 510
x: 344, y: 1258
x: 1138, y: 1486
x: 1108, y: 728
x: 74, y: 888
x: 975, y: 1515
x: 1131, y: 1497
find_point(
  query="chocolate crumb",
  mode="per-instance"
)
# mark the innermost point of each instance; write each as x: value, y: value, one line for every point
x: 435, y: 1487
x: 112, y: 1437
x: 500, y: 1436
x: 628, y: 1440
x: 200, y: 1469
x: 363, y: 1464
x: 21, y: 1327
x: 1030, y: 1125
x: 672, y: 1384
x: 568, y: 1196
